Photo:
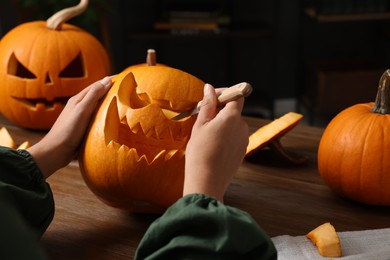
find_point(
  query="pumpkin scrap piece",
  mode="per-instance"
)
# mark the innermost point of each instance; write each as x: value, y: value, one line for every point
x: 7, y: 140
x: 270, y: 134
x: 24, y: 145
x: 326, y: 239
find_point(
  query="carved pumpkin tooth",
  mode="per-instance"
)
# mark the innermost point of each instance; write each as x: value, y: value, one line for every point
x: 123, y: 149
x: 132, y: 153
x: 159, y: 158
x: 148, y: 129
x: 143, y: 158
x: 58, y: 105
x: 40, y: 107
x: 170, y: 154
x: 112, y: 145
x: 135, y: 128
x: 172, y: 105
x: 151, y: 133
x: 177, y: 134
x: 165, y: 133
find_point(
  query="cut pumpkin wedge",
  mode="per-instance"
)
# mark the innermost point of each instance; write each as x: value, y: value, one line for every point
x: 24, y: 145
x: 326, y: 239
x: 270, y: 134
x: 7, y: 140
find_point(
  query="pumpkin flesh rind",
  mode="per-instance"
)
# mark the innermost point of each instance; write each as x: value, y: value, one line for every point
x: 272, y: 131
x: 326, y: 239
x: 6, y: 139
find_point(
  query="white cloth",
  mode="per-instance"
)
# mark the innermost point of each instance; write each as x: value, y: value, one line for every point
x: 355, y: 245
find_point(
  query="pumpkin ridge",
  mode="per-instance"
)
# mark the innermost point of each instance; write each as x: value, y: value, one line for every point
x: 369, y: 126
x: 345, y: 178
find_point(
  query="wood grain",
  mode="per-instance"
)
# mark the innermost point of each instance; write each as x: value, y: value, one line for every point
x: 282, y: 198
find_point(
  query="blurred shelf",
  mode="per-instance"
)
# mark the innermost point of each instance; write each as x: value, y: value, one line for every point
x: 242, y: 30
x: 193, y: 34
x: 324, y: 18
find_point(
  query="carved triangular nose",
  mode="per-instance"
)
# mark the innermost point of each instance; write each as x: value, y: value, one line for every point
x: 48, y: 79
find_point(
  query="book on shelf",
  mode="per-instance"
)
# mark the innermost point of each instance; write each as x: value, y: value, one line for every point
x: 199, y: 17
x: 209, y: 26
x: 337, y: 7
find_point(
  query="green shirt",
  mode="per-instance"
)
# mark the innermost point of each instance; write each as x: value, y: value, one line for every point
x: 26, y: 205
x: 195, y: 227
x: 200, y: 227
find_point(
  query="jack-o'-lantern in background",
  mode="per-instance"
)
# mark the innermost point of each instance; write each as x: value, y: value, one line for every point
x: 43, y: 64
x: 133, y: 154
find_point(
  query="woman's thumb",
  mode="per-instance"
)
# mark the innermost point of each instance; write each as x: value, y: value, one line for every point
x: 208, y: 108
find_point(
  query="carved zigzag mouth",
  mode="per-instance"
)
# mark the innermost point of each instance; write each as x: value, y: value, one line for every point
x: 35, y: 103
x: 150, y: 142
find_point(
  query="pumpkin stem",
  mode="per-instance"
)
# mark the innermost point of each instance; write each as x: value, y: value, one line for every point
x: 382, y: 101
x: 151, y: 58
x: 56, y: 20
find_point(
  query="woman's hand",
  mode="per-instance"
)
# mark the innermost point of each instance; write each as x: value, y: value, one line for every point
x: 216, y: 148
x: 61, y: 143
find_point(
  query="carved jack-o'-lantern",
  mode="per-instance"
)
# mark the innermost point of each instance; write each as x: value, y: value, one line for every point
x: 42, y: 64
x: 133, y: 155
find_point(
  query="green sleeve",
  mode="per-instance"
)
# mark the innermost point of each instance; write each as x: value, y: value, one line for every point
x: 199, y: 227
x: 26, y: 205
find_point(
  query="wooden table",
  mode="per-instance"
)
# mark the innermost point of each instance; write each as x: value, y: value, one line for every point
x: 284, y: 199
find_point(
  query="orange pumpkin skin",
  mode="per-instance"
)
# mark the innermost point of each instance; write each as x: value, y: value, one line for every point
x: 41, y: 68
x: 133, y: 154
x: 353, y: 155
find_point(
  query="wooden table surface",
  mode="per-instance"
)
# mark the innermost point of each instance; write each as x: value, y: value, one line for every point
x: 284, y: 199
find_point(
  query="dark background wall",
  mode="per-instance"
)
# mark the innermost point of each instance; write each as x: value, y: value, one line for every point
x: 276, y: 45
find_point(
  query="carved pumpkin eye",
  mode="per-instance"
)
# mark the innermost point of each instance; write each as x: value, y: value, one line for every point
x: 75, y: 69
x: 16, y: 68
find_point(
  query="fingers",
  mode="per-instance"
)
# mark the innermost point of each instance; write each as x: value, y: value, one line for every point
x: 87, y: 98
x: 96, y: 91
x: 236, y: 106
x: 208, y: 108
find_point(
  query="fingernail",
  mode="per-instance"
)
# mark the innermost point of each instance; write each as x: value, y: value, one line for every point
x: 207, y: 89
x: 106, y: 81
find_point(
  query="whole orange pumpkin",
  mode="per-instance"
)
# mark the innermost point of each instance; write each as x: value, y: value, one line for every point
x: 133, y: 154
x: 354, y: 154
x: 42, y: 64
